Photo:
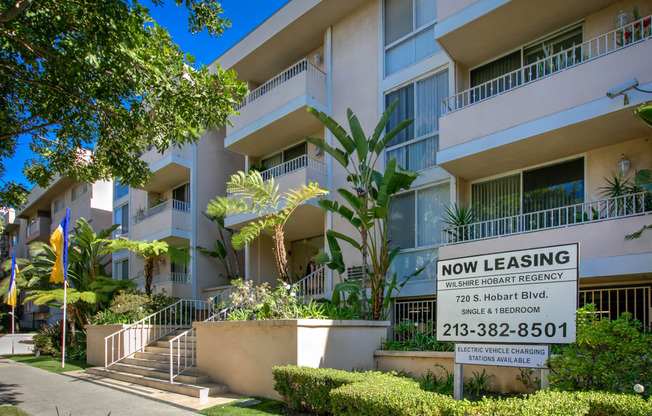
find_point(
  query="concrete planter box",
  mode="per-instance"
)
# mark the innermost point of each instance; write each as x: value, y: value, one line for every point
x: 241, y: 354
x: 419, y: 362
x: 127, y: 343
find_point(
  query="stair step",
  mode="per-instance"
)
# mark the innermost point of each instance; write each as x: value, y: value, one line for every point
x: 166, y: 344
x: 163, y: 374
x: 166, y: 349
x: 158, y: 364
x: 202, y: 391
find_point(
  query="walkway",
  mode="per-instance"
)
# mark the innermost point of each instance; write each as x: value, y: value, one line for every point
x: 39, y: 392
x: 23, y: 344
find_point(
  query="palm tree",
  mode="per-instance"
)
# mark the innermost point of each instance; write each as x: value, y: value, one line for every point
x: 150, y: 252
x: 262, y: 198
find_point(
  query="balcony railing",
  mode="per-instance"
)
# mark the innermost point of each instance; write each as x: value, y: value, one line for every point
x: 296, y: 69
x: 615, y: 40
x: 301, y: 162
x: 165, y: 206
x: 601, y: 210
x: 33, y: 227
x: 175, y: 277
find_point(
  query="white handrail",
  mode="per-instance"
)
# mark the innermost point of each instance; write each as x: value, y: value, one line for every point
x: 293, y: 165
x: 183, y: 342
x: 600, y: 210
x: 615, y: 40
x: 138, y: 335
x: 314, y: 284
x: 303, y: 65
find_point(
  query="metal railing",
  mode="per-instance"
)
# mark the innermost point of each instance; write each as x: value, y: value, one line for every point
x: 301, y: 162
x: 597, y: 47
x: 33, y: 227
x: 302, y: 66
x: 162, y: 207
x: 600, y: 210
x: 314, y: 284
x: 419, y: 313
x: 138, y: 335
x: 222, y: 304
x: 175, y: 277
x: 180, y: 347
x: 611, y: 303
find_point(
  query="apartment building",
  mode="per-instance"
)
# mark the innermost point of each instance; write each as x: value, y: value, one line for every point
x: 511, y: 118
x: 42, y: 214
x: 170, y: 208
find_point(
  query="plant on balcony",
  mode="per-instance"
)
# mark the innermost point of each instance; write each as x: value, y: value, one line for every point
x: 220, y: 251
x: 253, y: 195
x: 158, y: 201
x: 367, y: 208
x: 150, y: 251
x: 460, y: 217
x: 89, y: 287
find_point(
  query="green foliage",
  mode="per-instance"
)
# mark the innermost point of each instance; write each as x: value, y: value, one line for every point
x: 617, y: 186
x: 479, y: 381
x: 255, y: 196
x: 609, y: 355
x: 368, y: 209
x: 102, y: 75
x: 643, y: 182
x: 645, y: 113
x: 440, y: 382
x: 414, y: 336
x: 220, y: 252
x: 131, y: 306
x: 460, y: 216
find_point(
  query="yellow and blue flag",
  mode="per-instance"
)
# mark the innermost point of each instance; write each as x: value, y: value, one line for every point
x: 12, y: 296
x: 59, y: 243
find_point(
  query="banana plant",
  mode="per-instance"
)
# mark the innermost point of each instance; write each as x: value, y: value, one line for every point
x: 262, y: 198
x: 368, y: 204
x: 220, y: 251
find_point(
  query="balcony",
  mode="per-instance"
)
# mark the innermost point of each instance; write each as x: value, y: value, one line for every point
x: 475, y: 31
x: 598, y: 226
x: 307, y: 220
x: 561, y: 102
x: 279, y: 105
x: 11, y: 221
x: 166, y: 220
x: 38, y: 230
x: 170, y: 168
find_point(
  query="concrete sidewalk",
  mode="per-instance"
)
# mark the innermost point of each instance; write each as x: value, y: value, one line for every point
x: 23, y: 344
x: 39, y: 392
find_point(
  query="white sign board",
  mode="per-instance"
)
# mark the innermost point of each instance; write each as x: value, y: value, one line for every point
x: 505, y: 355
x: 525, y: 296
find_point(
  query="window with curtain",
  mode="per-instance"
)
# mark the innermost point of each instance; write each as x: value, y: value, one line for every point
x: 121, y: 217
x: 78, y: 190
x: 58, y: 205
x: 415, y: 226
x: 121, y: 270
x: 415, y: 148
x: 409, y: 32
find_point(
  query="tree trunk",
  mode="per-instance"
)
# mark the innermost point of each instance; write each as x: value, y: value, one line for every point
x: 149, y: 275
x: 280, y: 255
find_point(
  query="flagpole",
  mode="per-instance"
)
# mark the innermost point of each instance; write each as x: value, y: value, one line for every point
x: 63, y: 343
x: 12, y: 329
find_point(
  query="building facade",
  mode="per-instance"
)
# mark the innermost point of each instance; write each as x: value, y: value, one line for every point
x: 511, y: 119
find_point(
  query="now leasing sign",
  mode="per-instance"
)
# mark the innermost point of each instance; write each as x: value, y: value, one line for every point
x: 525, y: 296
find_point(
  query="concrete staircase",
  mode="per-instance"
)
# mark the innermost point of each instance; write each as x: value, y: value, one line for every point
x: 152, y: 368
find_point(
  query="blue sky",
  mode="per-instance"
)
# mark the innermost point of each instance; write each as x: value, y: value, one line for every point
x: 245, y: 15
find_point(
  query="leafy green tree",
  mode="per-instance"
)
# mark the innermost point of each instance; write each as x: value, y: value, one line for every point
x: 102, y: 75
x: 150, y: 252
x: 262, y: 198
x: 367, y: 208
x: 89, y: 287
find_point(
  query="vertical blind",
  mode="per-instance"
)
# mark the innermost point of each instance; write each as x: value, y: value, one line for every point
x: 403, y: 111
x: 426, y: 11
x: 497, y: 198
x: 430, y: 92
x: 431, y: 205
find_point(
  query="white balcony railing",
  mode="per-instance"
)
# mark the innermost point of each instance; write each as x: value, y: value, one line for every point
x: 615, y: 40
x: 301, y: 162
x: 296, y: 69
x: 165, y: 206
x: 33, y: 227
x: 175, y: 277
x: 601, y: 210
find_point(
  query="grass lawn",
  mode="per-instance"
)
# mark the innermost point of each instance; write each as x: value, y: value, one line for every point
x: 11, y: 411
x: 267, y: 407
x: 46, y: 362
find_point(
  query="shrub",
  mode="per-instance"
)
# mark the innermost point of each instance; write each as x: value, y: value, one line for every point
x: 308, y: 389
x: 132, y: 306
x: 414, y: 336
x: 609, y: 355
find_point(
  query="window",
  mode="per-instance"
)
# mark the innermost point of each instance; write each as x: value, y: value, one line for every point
x: 182, y: 267
x: 57, y: 205
x: 121, y: 270
x: 119, y: 190
x: 415, y: 147
x: 415, y: 225
x: 277, y: 164
x: 533, y: 190
x: 121, y: 217
x: 409, y: 32
x: 78, y: 190
x: 181, y: 198
x: 568, y: 40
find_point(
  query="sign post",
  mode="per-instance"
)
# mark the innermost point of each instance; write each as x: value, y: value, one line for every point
x: 507, y: 299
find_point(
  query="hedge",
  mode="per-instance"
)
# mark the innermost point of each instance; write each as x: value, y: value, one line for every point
x: 341, y: 393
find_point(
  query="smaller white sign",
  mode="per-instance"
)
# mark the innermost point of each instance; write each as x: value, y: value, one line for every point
x: 504, y: 355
